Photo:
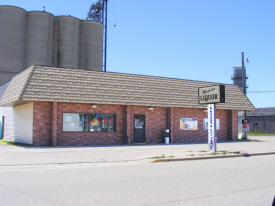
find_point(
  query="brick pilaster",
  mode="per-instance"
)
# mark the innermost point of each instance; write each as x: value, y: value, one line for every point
x: 171, y: 110
x: 129, y: 124
x: 234, y: 125
x: 54, y: 124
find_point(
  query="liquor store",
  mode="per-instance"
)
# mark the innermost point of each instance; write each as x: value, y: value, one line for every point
x: 64, y: 107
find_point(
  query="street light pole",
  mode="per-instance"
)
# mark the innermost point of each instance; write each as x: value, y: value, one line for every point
x: 243, y: 75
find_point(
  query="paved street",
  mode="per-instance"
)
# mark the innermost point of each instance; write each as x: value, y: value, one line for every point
x: 231, y: 181
x: 124, y: 175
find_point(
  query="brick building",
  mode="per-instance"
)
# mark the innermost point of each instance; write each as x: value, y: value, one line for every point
x: 57, y: 106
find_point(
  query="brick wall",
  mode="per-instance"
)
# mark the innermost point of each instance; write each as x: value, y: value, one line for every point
x: 89, y: 138
x: 182, y: 136
x: 156, y: 121
x: 200, y: 135
x: 42, y: 122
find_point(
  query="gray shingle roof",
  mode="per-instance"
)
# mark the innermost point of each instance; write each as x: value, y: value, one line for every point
x: 3, y: 88
x: 16, y: 87
x: 267, y: 111
x: 41, y: 83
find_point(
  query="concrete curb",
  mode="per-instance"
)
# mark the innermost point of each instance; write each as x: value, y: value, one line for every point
x: 211, y: 157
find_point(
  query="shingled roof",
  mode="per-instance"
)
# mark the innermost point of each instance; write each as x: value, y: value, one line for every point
x: 262, y: 112
x: 41, y: 83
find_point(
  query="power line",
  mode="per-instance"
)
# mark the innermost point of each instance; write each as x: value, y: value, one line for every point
x: 271, y: 100
x: 259, y: 91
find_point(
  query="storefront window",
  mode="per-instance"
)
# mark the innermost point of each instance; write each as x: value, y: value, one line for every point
x: 102, y: 123
x: 74, y: 122
x: 77, y: 122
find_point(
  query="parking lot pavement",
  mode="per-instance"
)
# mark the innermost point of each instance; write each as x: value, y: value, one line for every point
x: 30, y: 155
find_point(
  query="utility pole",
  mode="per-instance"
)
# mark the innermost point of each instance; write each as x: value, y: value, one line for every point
x: 244, y: 133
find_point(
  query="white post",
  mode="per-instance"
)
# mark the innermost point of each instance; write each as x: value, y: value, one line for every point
x: 212, y: 127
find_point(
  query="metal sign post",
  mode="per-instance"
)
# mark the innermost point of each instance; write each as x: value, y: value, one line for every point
x: 212, y: 127
x: 210, y: 96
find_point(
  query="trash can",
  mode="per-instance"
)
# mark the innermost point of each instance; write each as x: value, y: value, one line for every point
x: 166, y: 140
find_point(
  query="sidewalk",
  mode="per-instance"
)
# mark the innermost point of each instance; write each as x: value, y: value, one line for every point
x: 29, y: 155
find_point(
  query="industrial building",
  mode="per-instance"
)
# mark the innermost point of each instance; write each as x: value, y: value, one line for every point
x: 262, y: 120
x: 237, y: 78
x: 40, y: 38
x: 59, y: 96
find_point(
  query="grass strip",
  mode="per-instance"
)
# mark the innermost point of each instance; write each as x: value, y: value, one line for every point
x: 2, y: 141
x: 256, y: 133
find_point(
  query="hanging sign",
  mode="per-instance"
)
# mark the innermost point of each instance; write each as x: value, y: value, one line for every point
x: 210, y: 95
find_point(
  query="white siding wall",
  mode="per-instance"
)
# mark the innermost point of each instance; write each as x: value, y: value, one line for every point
x: 7, y: 112
x: 23, y: 123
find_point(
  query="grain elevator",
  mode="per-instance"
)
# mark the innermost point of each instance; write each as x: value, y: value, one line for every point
x: 40, y: 38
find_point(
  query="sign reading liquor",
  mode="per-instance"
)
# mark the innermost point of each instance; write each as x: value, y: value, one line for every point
x: 210, y: 95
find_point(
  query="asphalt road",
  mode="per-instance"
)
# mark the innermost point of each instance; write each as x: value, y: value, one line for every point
x: 231, y: 181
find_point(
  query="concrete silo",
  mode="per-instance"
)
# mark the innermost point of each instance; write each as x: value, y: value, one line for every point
x: 39, y: 46
x: 91, y: 45
x: 12, y: 41
x: 40, y: 38
x: 67, y: 41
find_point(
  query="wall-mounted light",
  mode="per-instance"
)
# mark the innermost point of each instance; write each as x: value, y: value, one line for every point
x: 205, y: 110
x: 93, y: 105
x: 150, y: 108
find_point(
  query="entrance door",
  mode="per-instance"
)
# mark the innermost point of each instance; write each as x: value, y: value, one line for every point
x: 139, y: 128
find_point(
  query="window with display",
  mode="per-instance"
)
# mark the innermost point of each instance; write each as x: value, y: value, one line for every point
x: 77, y: 122
x: 102, y: 123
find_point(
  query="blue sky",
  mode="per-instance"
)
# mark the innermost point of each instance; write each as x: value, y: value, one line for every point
x: 186, y: 39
